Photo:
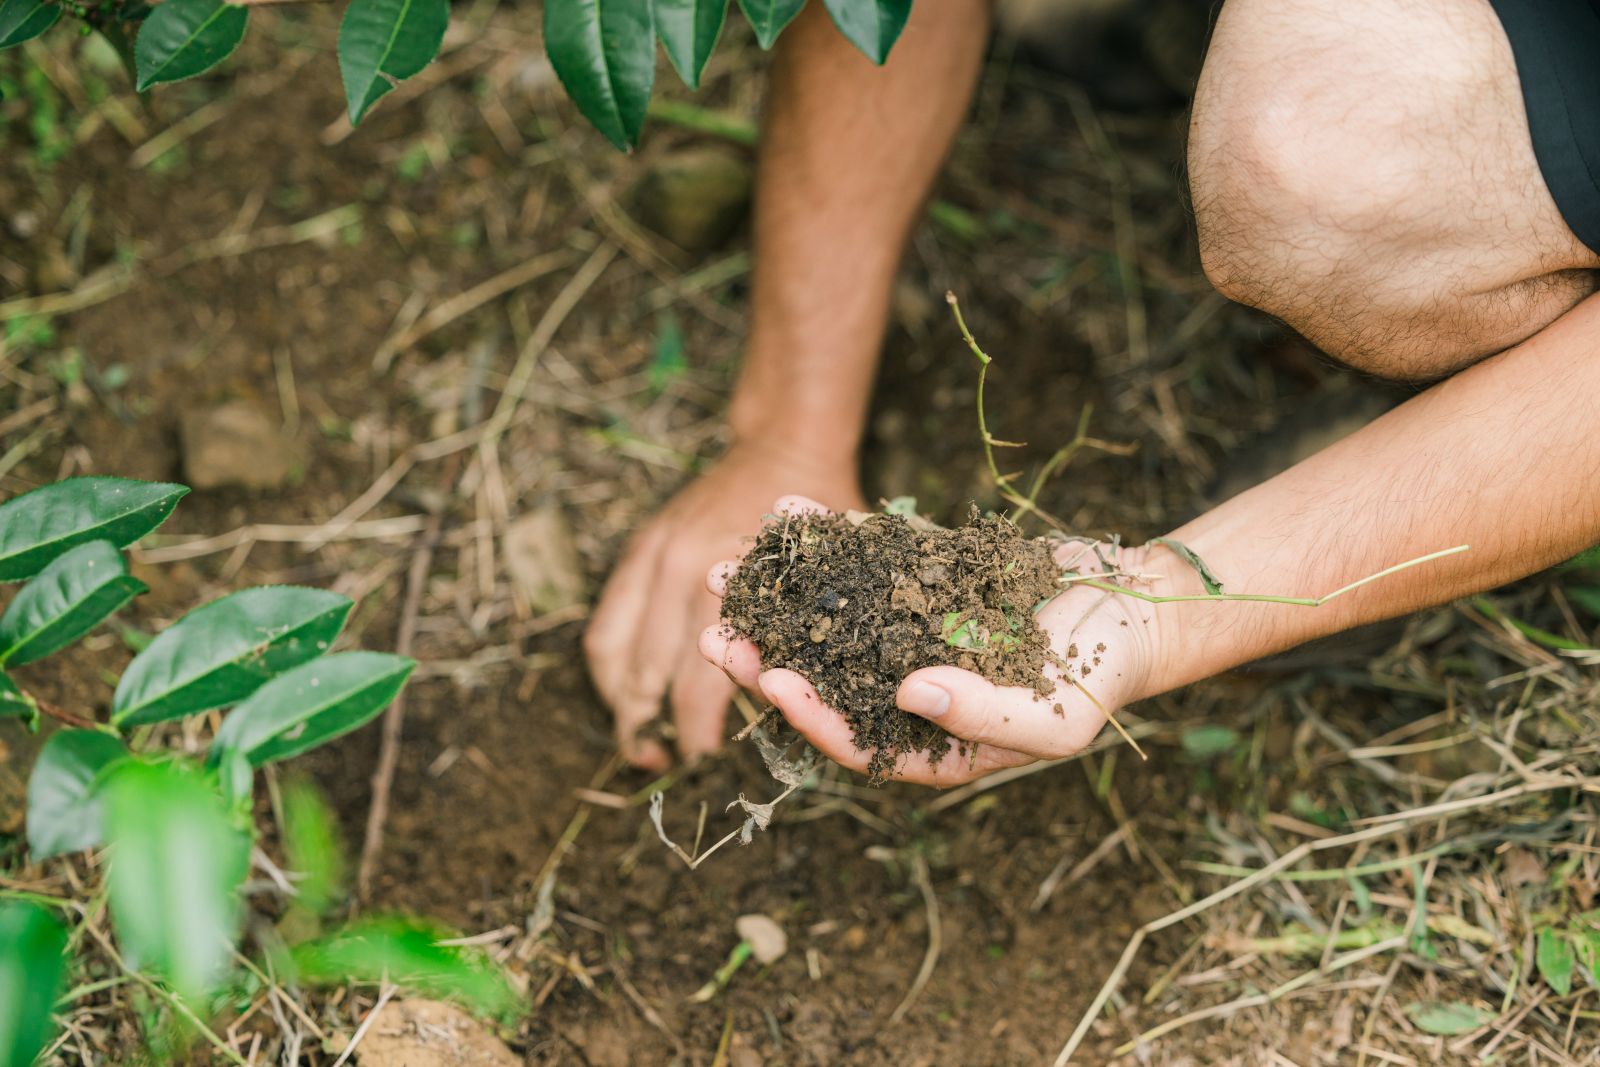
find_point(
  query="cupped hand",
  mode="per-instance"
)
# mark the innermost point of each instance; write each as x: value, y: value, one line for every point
x: 1107, y: 635
x: 640, y: 643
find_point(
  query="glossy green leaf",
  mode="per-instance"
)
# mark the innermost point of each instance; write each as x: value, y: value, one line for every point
x: 604, y: 52
x: 384, y: 42
x: 177, y: 862
x: 37, y: 527
x: 312, y: 704
x: 32, y: 962
x: 70, y: 597
x: 221, y: 652
x: 183, y: 38
x: 15, y: 704
x: 64, y: 813
x: 1553, y: 953
x: 1447, y: 1017
x: 769, y: 17
x: 871, y: 25
x: 408, y: 954
x: 689, y: 30
x: 311, y: 847
x: 23, y: 20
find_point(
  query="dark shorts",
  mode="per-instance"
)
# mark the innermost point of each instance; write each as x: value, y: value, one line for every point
x: 1557, y: 48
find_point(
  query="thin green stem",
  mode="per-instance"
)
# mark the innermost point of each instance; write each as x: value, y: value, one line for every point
x: 1262, y: 598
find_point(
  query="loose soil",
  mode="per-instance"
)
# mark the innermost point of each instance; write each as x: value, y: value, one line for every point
x: 856, y: 602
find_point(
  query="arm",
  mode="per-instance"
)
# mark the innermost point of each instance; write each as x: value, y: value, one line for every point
x: 848, y: 154
x: 1503, y: 457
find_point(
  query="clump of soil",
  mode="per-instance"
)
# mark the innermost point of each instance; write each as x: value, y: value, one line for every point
x: 855, y: 603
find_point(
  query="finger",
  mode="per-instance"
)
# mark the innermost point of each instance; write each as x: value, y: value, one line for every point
x: 1011, y: 717
x: 699, y: 697
x: 717, y: 577
x: 738, y: 658
x: 828, y: 731
x: 795, y: 506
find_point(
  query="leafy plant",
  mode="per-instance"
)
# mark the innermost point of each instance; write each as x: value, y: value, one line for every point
x: 604, y: 53
x: 179, y: 832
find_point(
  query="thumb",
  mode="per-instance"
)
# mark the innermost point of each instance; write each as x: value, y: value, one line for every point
x: 975, y: 709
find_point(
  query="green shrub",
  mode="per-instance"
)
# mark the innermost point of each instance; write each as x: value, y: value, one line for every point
x: 179, y: 832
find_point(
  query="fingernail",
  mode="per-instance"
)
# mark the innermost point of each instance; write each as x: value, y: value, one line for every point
x: 925, y: 699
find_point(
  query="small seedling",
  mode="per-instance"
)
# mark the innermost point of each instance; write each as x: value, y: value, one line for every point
x: 180, y: 831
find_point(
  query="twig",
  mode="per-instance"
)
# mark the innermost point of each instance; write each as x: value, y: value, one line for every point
x: 456, y: 306
x: 62, y: 714
x: 384, y: 996
x: 930, y: 959
x: 394, y: 717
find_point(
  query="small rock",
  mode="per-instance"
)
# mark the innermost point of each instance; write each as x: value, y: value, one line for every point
x: 696, y: 197
x: 543, y: 560
x: 934, y: 574
x: 235, y: 446
x: 767, y: 940
x: 429, y: 1033
x: 909, y: 596
x: 820, y: 629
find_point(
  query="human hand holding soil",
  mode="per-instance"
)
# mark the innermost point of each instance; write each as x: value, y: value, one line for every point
x: 1091, y: 654
x: 640, y: 642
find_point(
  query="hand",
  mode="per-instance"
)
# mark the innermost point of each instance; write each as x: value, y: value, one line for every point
x: 1010, y: 725
x: 640, y: 643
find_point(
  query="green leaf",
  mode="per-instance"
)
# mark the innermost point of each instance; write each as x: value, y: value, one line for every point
x: 1212, y: 583
x: 15, y: 704
x: 1210, y: 740
x: 1447, y: 1017
x: 904, y: 506
x: 769, y: 17
x: 871, y: 25
x: 23, y: 20
x: 221, y: 652
x: 64, y: 813
x: 311, y: 846
x: 605, y: 54
x: 1588, y: 559
x: 70, y: 597
x: 32, y: 962
x: 689, y: 30
x: 1586, y: 597
x: 37, y: 527
x: 408, y: 954
x: 312, y: 704
x: 384, y: 42
x: 183, y: 38
x: 177, y: 863
x: 1555, y: 958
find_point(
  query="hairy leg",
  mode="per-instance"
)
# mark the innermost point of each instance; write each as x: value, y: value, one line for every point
x: 1363, y: 170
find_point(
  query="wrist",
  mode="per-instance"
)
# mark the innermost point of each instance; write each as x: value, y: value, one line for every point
x: 820, y: 435
x: 1160, y: 652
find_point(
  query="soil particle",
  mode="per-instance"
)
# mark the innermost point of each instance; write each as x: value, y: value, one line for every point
x: 856, y: 603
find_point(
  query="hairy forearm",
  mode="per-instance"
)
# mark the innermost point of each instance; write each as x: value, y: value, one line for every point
x: 1503, y: 457
x: 848, y: 154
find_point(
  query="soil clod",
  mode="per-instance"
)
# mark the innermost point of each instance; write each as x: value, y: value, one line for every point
x: 854, y: 604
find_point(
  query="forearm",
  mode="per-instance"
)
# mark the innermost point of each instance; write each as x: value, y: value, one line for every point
x: 1503, y: 457
x: 848, y: 154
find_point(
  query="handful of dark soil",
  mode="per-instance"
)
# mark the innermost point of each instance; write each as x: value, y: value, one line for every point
x: 855, y: 603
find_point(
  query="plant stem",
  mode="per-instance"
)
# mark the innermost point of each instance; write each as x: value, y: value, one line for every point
x: 1262, y: 598
x: 63, y: 715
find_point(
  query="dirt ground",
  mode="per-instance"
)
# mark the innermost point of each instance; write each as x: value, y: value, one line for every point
x: 268, y: 256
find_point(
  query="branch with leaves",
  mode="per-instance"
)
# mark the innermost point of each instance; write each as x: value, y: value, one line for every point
x: 604, y: 53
